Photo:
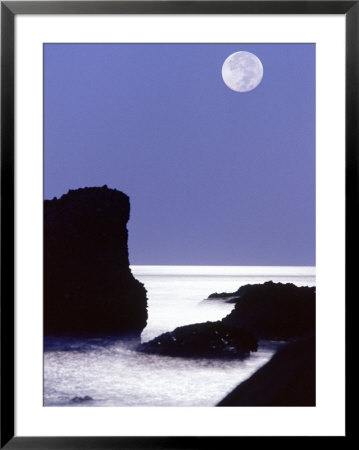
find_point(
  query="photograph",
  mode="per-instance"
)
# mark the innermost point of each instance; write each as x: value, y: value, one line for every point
x: 179, y: 224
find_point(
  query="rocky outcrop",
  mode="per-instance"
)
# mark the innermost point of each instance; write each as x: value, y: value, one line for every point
x: 228, y: 297
x: 273, y: 310
x: 88, y: 286
x: 288, y: 379
x: 87, y: 398
x: 203, y: 340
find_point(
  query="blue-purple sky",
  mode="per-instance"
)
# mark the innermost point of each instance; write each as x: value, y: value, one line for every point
x: 214, y: 177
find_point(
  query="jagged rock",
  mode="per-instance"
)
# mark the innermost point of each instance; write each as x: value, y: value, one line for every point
x: 88, y: 286
x: 227, y: 297
x: 87, y: 398
x: 273, y: 310
x: 203, y: 340
x: 224, y: 295
x: 288, y: 379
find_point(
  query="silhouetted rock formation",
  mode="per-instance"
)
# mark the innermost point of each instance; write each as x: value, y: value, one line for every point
x: 203, y: 340
x: 272, y: 310
x: 88, y: 286
x: 288, y: 379
x: 87, y: 398
x: 229, y: 297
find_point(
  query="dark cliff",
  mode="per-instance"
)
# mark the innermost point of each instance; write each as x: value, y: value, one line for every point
x: 88, y: 286
x: 288, y: 379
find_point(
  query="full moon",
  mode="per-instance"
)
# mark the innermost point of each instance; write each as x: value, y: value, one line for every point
x: 242, y: 71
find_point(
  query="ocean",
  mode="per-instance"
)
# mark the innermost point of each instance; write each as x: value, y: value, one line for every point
x: 107, y: 372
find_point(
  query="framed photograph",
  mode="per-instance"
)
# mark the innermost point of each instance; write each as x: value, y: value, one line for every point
x: 176, y: 182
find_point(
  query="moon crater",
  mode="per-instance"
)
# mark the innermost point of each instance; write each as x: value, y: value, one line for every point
x: 242, y: 71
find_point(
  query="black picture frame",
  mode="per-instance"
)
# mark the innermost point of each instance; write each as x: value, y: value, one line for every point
x: 9, y: 10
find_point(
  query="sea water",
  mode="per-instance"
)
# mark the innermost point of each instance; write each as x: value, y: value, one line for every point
x: 107, y: 372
